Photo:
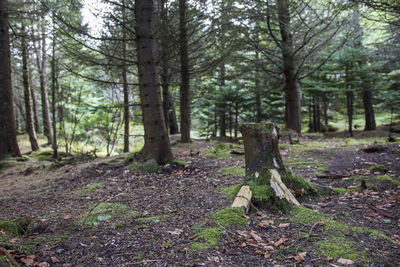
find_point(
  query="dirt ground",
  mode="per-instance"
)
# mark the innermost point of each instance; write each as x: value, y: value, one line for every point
x: 101, y: 213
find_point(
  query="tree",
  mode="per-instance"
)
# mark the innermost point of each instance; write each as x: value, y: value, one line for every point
x: 27, y: 90
x: 156, y: 145
x: 8, y: 135
x: 185, y: 75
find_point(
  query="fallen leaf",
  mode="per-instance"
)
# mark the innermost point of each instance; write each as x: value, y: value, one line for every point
x: 55, y: 259
x: 321, y: 223
x: 67, y: 217
x: 175, y: 232
x: 2, y: 232
x: 280, y: 241
x: 265, y: 224
x: 330, y: 259
x: 345, y: 261
x: 28, y: 260
x: 43, y: 264
x: 14, y: 240
x: 283, y: 225
x: 255, y: 236
x: 301, y: 256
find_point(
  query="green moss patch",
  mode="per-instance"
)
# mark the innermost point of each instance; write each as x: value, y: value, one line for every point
x: 341, y: 190
x: 378, y: 168
x: 206, y: 238
x: 148, y: 166
x: 388, y: 179
x: 7, y: 163
x: 340, y: 247
x: 397, y: 153
x: 339, y: 239
x: 105, y: 212
x: 89, y: 189
x: 179, y: 162
x: 229, y: 216
x: 17, y: 226
x: 238, y: 171
x: 223, y: 150
x: 232, y: 191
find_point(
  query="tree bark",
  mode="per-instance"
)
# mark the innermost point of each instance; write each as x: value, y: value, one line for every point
x: 35, y: 109
x: 366, y: 92
x: 54, y: 85
x: 185, y: 76
x: 257, y: 82
x: 42, y: 67
x: 349, y: 100
x: 222, y: 113
x: 289, y: 68
x: 156, y: 140
x: 173, y: 123
x: 164, y: 60
x: 30, y: 129
x: 8, y: 135
x: 125, y: 82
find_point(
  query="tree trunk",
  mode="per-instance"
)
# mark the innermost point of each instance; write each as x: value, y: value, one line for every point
x: 156, y: 140
x: 35, y: 109
x: 366, y: 92
x: 185, y: 76
x: 289, y: 66
x: 262, y: 159
x: 164, y: 60
x: 8, y: 135
x: 173, y: 123
x: 349, y: 102
x: 257, y: 83
x: 54, y: 85
x: 30, y: 129
x: 42, y: 66
x: 325, y: 104
x: 222, y: 115
x: 125, y: 82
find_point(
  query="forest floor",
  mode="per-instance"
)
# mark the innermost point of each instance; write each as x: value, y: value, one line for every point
x: 102, y: 213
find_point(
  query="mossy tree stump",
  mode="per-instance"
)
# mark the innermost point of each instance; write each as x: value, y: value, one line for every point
x: 264, y: 163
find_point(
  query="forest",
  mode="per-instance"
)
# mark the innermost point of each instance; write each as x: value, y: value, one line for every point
x: 199, y: 133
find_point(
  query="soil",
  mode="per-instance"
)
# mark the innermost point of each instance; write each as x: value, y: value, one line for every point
x: 183, y: 199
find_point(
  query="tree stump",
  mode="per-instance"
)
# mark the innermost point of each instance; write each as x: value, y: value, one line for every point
x: 271, y: 183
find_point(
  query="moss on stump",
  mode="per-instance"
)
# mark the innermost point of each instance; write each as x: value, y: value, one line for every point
x: 261, y: 145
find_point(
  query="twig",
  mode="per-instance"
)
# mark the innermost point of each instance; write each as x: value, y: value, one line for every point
x: 309, y: 233
x: 90, y: 211
x: 4, y: 252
